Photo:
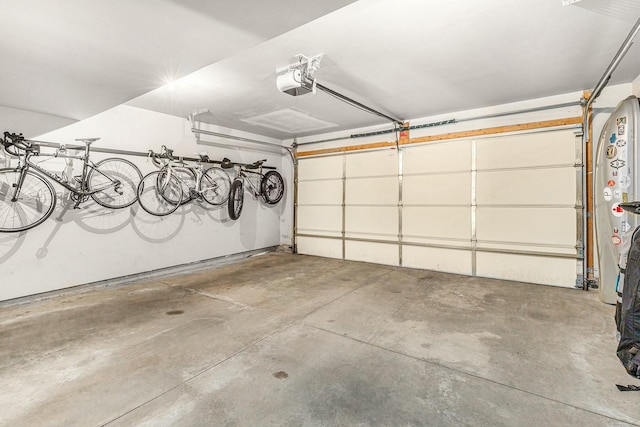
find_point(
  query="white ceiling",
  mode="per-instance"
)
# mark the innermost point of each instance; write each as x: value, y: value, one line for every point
x: 406, y: 58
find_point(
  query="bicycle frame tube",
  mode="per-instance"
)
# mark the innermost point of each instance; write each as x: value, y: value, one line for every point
x: 255, y: 189
x: 84, y: 185
x: 83, y: 190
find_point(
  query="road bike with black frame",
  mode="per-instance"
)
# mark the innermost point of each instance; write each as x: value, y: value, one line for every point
x: 27, y: 197
x: 268, y: 186
x: 161, y: 192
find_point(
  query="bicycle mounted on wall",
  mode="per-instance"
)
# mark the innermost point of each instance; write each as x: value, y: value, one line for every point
x: 27, y: 197
x: 161, y: 192
x: 268, y: 186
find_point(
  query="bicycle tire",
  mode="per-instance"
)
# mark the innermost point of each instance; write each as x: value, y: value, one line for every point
x: 272, y: 187
x: 35, y: 203
x: 151, y: 193
x: 215, y: 186
x: 122, y: 195
x: 187, y: 178
x: 236, y: 199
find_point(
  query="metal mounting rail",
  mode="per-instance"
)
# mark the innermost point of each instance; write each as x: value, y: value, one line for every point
x: 130, y: 153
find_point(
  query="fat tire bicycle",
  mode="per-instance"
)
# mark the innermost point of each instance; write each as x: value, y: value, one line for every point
x: 269, y: 186
x: 161, y: 192
x: 27, y: 197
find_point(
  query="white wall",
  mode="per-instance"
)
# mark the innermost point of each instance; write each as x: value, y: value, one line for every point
x: 636, y: 86
x: 75, y: 247
x: 29, y: 123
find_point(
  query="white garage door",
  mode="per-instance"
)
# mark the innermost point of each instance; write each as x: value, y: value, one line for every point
x: 503, y: 207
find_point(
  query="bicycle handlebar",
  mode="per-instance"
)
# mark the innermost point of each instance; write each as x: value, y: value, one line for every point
x: 14, y: 143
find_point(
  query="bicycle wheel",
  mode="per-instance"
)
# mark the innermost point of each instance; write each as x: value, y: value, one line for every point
x: 187, y: 178
x: 215, y: 186
x: 124, y: 178
x: 272, y: 187
x: 35, y: 203
x: 159, y: 193
x: 236, y: 199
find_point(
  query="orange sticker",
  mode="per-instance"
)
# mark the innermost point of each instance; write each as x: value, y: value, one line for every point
x: 611, y: 183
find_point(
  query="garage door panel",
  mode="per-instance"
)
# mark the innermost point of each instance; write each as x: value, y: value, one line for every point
x: 525, y: 191
x: 326, y: 218
x: 320, y: 168
x: 556, y: 186
x: 372, y: 191
x: 447, y: 260
x: 328, y: 248
x: 451, y: 222
x: 452, y: 189
x: 325, y: 192
x: 528, y: 150
x: 522, y: 268
x: 531, y: 225
x: 449, y: 157
x: 378, y: 253
x: 371, y: 220
x: 375, y: 163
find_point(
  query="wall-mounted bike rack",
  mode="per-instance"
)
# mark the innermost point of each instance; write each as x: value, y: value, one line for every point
x: 127, y: 152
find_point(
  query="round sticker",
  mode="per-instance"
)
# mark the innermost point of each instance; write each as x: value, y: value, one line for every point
x: 621, y: 142
x: 612, y: 151
x: 616, y: 210
x: 608, y: 194
x: 625, y: 181
x: 617, y: 241
x: 611, y: 183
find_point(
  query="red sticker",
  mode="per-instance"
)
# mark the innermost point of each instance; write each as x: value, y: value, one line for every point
x: 611, y: 183
x: 617, y: 210
x: 616, y: 240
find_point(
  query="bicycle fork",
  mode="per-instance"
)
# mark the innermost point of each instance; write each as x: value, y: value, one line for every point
x: 18, y: 185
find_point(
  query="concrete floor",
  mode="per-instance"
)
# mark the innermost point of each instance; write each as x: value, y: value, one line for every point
x: 296, y: 340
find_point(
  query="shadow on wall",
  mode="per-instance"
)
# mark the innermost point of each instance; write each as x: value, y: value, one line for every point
x: 161, y: 229
x: 9, y: 244
x: 97, y: 219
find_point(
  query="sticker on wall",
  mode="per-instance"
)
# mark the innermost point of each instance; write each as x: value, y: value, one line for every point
x: 621, y: 121
x: 621, y: 130
x: 612, y: 140
x: 616, y: 240
x: 622, y: 153
x: 614, y: 172
x: 612, y: 151
x: 617, y: 163
x: 617, y: 210
x: 621, y: 142
x: 625, y: 226
x: 608, y: 194
x: 617, y: 194
x: 615, y: 230
x: 625, y: 181
x: 611, y: 183
x: 625, y: 197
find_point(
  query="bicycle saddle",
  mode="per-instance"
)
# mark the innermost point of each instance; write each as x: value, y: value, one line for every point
x: 226, y: 164
x: 256, y: 164
x: 203, y: 156
x: 633, y: 207
x: 87, y: 140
